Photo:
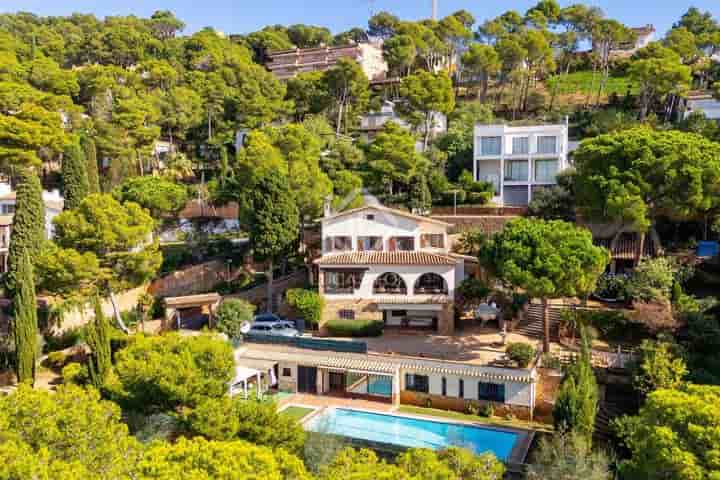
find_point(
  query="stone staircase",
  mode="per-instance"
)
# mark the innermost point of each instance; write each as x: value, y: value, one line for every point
x: 532, y: 325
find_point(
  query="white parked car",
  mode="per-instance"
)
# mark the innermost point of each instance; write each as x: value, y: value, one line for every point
x: 272, y: 318
x: 273, y: 329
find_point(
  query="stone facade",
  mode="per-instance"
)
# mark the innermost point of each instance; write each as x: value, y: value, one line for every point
x: 369, y: 310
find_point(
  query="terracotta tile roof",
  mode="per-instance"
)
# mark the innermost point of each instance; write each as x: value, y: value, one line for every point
x: 386, y: 258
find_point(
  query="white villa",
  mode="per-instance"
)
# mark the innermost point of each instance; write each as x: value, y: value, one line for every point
x: 379, y: 263
x: 519, y: 160
x: 53, y: 207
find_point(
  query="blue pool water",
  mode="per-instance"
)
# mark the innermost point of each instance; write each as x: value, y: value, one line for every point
x: 412, y: 432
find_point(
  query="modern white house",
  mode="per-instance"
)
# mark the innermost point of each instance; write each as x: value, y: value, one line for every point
x: 373, y: 122
x: 519, y: 160
x: 378, y: 263
x: 53, y: 207
x: 392, y: 379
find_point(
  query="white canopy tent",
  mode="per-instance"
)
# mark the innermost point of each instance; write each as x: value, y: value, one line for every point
x: 242, y: 376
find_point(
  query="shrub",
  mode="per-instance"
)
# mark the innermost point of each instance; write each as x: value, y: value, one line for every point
x: 521, y: 353
x: 612, y: 287
x: 74, y: 373
x: 551, y: 361
x: 162, y: 373
x: 230, y: 316
x: 472, y: 290
x: 65, y: 339
x: 56, y: 360
x: 355, y: 328
x: 652, y: 280
x: 308, y: 304
x: 486, y: 410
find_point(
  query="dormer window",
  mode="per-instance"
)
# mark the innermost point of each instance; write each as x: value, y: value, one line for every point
x: 369, y: 244
x: 401, y: 244
x: 432, y: 240
x: 338, y: 244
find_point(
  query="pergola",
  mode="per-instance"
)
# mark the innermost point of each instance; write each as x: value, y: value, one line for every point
x: 174, y: 305
x: 246, y: 369
x: 242, y: 375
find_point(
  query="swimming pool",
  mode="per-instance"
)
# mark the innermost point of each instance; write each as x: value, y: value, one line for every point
x: 412, y: 432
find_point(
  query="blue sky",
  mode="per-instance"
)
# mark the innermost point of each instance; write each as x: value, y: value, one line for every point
x: 242, y: 16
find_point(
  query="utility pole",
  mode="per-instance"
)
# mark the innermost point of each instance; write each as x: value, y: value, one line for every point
x: 435, y: 9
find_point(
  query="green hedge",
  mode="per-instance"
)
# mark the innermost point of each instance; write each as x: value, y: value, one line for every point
x: 355, y: 328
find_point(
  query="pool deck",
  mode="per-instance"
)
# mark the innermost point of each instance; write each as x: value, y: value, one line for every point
x: 515, y: 459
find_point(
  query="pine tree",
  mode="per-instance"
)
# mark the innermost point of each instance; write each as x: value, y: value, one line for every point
x: 88, y: 146
x: 74, y: 176
x: 99, y: 342
x: 25, y: 322
x: 28, y: 230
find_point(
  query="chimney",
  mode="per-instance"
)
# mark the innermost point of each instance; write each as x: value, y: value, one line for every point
x: 327, y: 207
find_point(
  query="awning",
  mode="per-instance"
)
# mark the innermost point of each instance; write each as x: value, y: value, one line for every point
x: 411, y: 306
x: 242, y: 374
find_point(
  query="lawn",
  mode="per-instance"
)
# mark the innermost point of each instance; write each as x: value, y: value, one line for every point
x: 297, y: 413
x: 581, y: 82
x: 497, y: 421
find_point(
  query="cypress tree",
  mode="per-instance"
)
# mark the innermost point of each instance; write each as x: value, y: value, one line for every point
x: 28, y: 231
x: 88, y: 146
x: 74, y: 176
x: 98, y: 339
x: 25, y: 322
x: 576, y: 403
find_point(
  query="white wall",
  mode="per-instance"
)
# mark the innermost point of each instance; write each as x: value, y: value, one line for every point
x: 385, y: 224
x: 409, y: 273
x: 484, y: 165
x: 516, y: 393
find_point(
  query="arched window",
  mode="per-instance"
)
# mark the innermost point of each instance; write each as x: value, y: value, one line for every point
x: 390, y: 282
x: 430, y: 283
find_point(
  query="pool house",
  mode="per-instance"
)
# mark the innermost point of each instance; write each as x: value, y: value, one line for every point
x: 397, y: 379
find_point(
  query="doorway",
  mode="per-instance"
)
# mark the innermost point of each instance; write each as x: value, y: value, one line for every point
x: 307, y: 379
x: 337, y: 382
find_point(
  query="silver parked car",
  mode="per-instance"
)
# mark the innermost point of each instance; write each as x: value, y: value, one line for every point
x: 276, y: 329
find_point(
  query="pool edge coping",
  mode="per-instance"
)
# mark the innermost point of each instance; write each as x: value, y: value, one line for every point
x: 518, y: 453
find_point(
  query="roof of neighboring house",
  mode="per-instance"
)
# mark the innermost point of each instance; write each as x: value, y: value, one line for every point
x: 627, y: 246
x: 387, y: 258
x: 645, y: 30
x: 49, y: 202
x: 192, y: 300
x: 394, y: 211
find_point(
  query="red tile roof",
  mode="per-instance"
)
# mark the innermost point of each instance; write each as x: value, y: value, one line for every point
x: 387, y: 258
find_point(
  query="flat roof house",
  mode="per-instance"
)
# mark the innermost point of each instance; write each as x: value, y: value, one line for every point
x: 519, y: 160
x: 378, y: 263
x: 288, y: 63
